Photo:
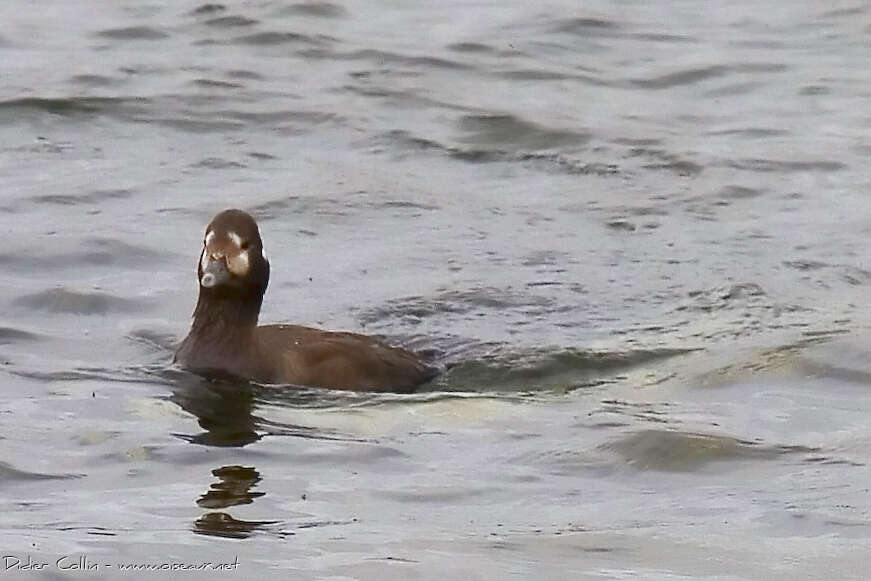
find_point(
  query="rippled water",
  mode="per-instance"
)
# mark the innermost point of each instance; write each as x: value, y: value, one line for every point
x: 636, y: 232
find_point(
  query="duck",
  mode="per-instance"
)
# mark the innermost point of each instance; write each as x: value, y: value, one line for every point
x: 225, y: 338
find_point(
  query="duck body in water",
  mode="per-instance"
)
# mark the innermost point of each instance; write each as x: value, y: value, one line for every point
x: 225, y: 339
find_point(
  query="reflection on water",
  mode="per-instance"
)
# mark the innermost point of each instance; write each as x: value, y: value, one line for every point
x: 627, y: 229
x: 233, y: 488
x: 221, y: 524
x: 223, y: 409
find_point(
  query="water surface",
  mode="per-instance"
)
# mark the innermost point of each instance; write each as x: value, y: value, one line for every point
x: 637, y: 232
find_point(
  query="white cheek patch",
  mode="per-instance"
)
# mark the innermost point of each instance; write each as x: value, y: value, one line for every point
x: 204, y: 260
x: 239, y: 264
x: 209, y: 237
x: 237, y: 240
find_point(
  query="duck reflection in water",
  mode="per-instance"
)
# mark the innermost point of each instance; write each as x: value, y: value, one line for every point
x: 233, y: 488
x: 223, y: 409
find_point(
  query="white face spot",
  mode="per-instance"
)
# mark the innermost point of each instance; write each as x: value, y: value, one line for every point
x: 204, y: 260
x: 239, y: 264
x: 237, y: 240
x: 209, y: 237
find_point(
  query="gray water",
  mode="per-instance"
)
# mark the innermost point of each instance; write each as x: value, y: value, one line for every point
x: 637, y: 231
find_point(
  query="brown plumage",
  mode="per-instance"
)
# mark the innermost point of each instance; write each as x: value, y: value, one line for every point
x: 225, y: 339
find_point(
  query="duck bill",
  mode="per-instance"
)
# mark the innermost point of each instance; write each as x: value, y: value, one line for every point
x: 215, y: 273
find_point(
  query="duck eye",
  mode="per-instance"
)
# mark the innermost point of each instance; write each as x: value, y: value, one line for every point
x: 245, y: 245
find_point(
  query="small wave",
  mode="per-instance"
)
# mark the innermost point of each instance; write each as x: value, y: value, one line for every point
x: 9, y: 335
x: 404, y: 142
x: 208, y: 9
x: 133, y: 33
x: 508, y: 131
x: 675, y: 451
x: 231, y: 21
x: 383, y: 58
x: 552, y: 370
x: 70, y: 106
x: 318, y: 9
x: 61, y: 300
x: 781, y: 166
x: 274, y: 38
x: 10, y: 473
x: 415, y: 308
x: 94, y: 197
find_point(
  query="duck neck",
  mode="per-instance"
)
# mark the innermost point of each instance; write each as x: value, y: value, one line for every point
x: 224, y: 321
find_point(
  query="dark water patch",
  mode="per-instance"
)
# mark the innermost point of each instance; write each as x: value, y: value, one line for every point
x: 734, y: 89
x: 692, y: 76
x: 404, y: 204
x: 398, y: 96
x: 778, y: 166
x: 216, y: 84
x: 133, y: 33
x: 508, y: 131
x: 719, y: 298
x: 9, y: 335
x: 94, y: 197
x: 650, y: 413
x: 383, y: 58
x: 61, y: 300
x: 852, y: 275
x: 279, y: 119
x: 674, y: 451
x: 9, y: 473
x: 231, y: 21
x: 261, y: 156
x: 846, y: 12
x: 403, y: 143
x: 553, y: 370
x: 414, y: 309
x: 93, y: 81
x: 667, y: 160
x: 751, y: 132
x: 318, y: 9
x: 218, y: 163
x: 680, y: 78
x: 547, y: 258
x: 472, y: 47
x: 535, y: 75
x: 223, y: 525
x: 106, y: 252
x: 189, y: 125
x: 662, y: 37
x: 72, y: 106
x: 739, y: 193
x: 82, y: 374
x: 303, y: 205
x: 828, y: 460
x: 243, y: 74
x: 586, y: 26
x: 814, y: 90
x: 805, y: 265
x: 275, y: 38
x: 210, y: 8
x: 621, y: 225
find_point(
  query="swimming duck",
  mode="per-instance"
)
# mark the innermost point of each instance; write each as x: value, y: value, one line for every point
x: 225, y: 339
